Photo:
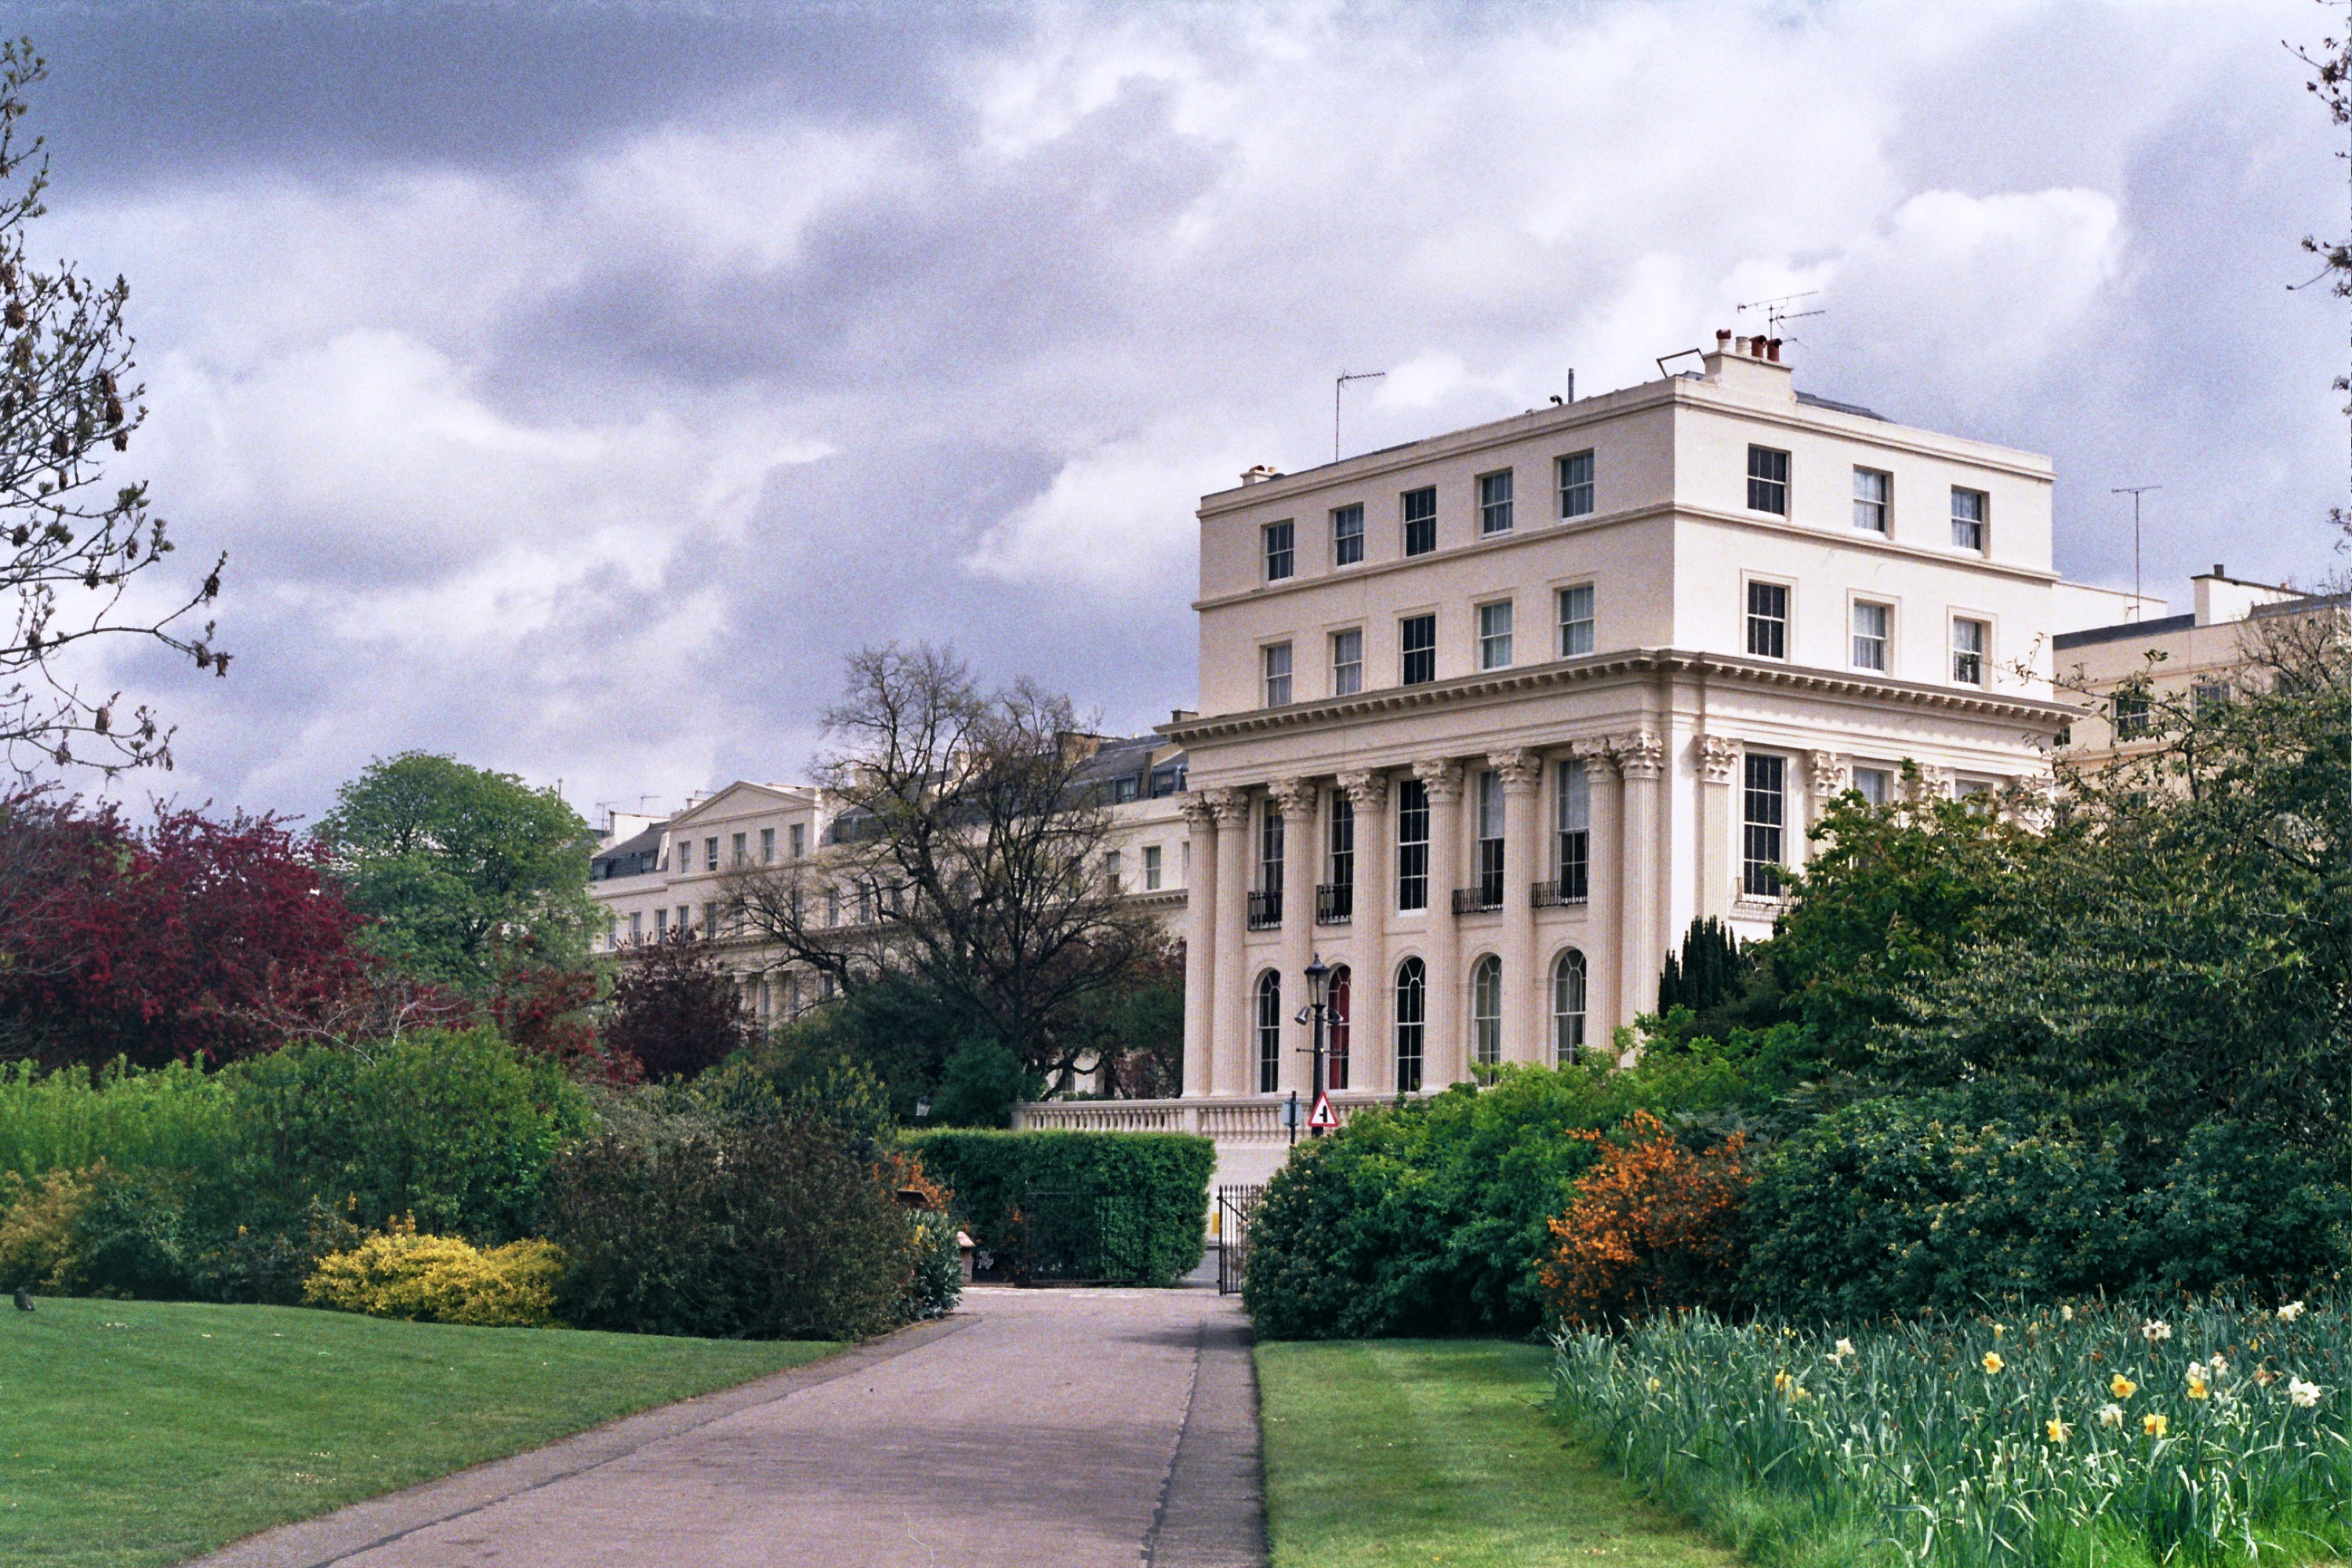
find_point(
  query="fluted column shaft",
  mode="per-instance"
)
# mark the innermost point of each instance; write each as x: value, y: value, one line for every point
x: 1445, y: 1058
x: 1200, y: 947
x: 1605, y: 974
x: 1521, y: 772
x: 1718, y: 829
x: 1641, y: 759
x: 1297, y: 800
x: 1372, y: 996
x: 1231, y: 1020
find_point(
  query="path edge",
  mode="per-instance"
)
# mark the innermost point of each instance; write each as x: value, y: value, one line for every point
x: 326, y: 1538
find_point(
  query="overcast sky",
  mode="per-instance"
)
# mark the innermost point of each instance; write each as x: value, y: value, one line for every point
x: 574, y: 385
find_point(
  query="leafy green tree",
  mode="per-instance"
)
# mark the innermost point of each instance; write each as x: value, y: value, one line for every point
x: 461, y: 868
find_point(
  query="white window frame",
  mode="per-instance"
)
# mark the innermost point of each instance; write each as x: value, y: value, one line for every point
x: 1341, y: 555
x: 1856, y: 638
x: 1874, y: 514
x: 1153, y: 868
x: 1568, y: 624
x: 1982, y: 653
x: 1276, y: 682
x: 1496, y: 506
x: 1494, y: 645
x: 1572, y: 488
x: 1279, y: 549
x: 1748, y: 617
x: 1980, y: 525
x: 1403, y: 653
x: 1786, y: 481
x: 1405, y: 520
x: 1347, y: 675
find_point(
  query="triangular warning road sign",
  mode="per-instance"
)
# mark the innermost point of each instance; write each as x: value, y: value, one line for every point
x: 1323, y: 1115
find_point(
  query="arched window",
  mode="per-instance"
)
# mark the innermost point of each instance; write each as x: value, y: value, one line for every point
x: 1412, y: 981
x: 1335, y: 1066
x: 1567, y: 1007
x: 1487, y: 1012
x: 1270, y: 1031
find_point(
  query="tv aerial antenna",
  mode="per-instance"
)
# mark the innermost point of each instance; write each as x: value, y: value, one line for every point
x: 2135, y: 491
x: 1776, y: 311
x: 1341, y: 385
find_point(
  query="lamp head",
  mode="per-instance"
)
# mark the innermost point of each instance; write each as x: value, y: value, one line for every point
x: 1319, y: 974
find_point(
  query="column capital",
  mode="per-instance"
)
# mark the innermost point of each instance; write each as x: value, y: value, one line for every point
x: 1230, y: 804
x: 1521, y: 769
x: 1198, y: 808
x: 1296, y: 797
x: 1442, y: 777
x: 1932, y: 784
x: 1367, y: 791
x: 1830, y: 775
x: 1638, y: 753
x: 1718, y: 756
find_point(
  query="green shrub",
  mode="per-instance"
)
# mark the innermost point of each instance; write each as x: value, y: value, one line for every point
x: 763, y: 1228
x: 441, y: 1280
x: 177, y: 1118
x: 980, y: 1084
x: 1430, y: 1218
x: 1957, y: 1201
x: 935, y: 1283
x: 994, y: 1174
x: 36, y: 1226
x: 453, y: 1128
x: 132, y: 1237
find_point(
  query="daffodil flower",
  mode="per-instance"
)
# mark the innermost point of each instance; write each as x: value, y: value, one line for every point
x: 2111, y: 1414
x: 2155, y: 1425
x: 1992, y: 1361
x: 2059, y: 1431
x: 2121, y: 1386
x: 2304, y: 1394
x: 2289, y: 1312
x: 2155, y: 1330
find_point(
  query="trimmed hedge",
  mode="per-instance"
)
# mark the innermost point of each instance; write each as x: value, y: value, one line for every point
x: 992, y: 1172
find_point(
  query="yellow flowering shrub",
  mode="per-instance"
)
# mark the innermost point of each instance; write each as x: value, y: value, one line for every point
x: 36, y: 1226
x: 441, y: 1280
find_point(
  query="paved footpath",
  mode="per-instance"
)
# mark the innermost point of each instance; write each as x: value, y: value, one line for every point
x: 1043, y: 1428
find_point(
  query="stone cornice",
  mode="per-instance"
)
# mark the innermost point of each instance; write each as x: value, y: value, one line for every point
x: 1637, y: 664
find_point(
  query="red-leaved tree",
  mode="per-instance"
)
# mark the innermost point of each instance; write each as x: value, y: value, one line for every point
x: 195, y: 934
x: 675, y: 1011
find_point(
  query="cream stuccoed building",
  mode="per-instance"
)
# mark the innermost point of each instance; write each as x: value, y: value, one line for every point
x: 1486, y: 719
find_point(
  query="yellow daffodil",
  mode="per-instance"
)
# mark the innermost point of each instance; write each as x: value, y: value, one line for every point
x: 2266, y: 1376
x: 1779, y: 1382
x: 2121, y: 1386
x: 2066, y: 1314
x: 2155, y: 1425
x: 1998, y: 1330
x: 2197, y: 1389
x: 1992, y: 1361
x: 1801, y: 1391
x: 1655, y: 1385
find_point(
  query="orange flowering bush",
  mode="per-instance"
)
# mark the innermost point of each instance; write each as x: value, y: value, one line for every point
x: 1654, y: 1226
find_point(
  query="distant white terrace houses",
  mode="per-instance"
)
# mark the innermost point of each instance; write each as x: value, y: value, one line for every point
x: 1486, y: 719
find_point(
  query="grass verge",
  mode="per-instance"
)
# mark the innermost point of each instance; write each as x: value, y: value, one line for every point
x: 140, y: 1433
x: 1440, y: 1451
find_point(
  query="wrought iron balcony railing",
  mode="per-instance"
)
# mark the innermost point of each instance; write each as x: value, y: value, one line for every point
x: 1266, y: 911
x: 1335, y: 903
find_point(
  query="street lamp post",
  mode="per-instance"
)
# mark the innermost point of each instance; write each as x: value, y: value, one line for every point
x: 1319, y: 976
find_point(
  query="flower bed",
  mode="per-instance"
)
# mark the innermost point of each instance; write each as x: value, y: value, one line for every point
x: 2079, y: 1435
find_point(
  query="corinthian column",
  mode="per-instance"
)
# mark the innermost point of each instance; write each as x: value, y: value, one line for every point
x: 1372, y: 1054
x: 1521, y: 772
x: 1641, y: 761
x: 1228, y: 1017
x: 1297, y: 799
x: 1200, y: 945
x: 1718, y: 759
x: 1445, y: 1058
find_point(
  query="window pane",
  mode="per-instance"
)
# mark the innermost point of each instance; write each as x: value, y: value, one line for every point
x: 1872, y: 491
x: 1568, y: 1008
x: 1574, y: 830
x: 1347, y: 662
x: 1576, y: 620
x: 1413, y: 845
x: 1279, y: 553
x: 1967, y: 518
x: 1495, y: 636
x: 1410, y: 1000
x: 1418, y: 635
x: 1768, y: 620
x: 1277, y: 674
x: 1495, y: 502
x: 1876, y: 785
x: 1576, y: 485
x: 1347, y: 535
x: 1765, y: 801
x: 1487, y: 1012
x: 1870, y: 636
x: 1419, y: 521
x: 1767, y: 481
x: 1269, y: 1032
x: 1969, y: 639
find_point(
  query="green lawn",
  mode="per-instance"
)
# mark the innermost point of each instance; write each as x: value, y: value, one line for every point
x: 1439, y: 1451
x: 137, y: 1433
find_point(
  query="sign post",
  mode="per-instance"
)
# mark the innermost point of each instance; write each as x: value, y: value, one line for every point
x: 1290, y: 1115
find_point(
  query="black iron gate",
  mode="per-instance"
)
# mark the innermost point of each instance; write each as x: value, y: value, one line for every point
x: 1235, y: 1205
x: 1082, y: 1238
